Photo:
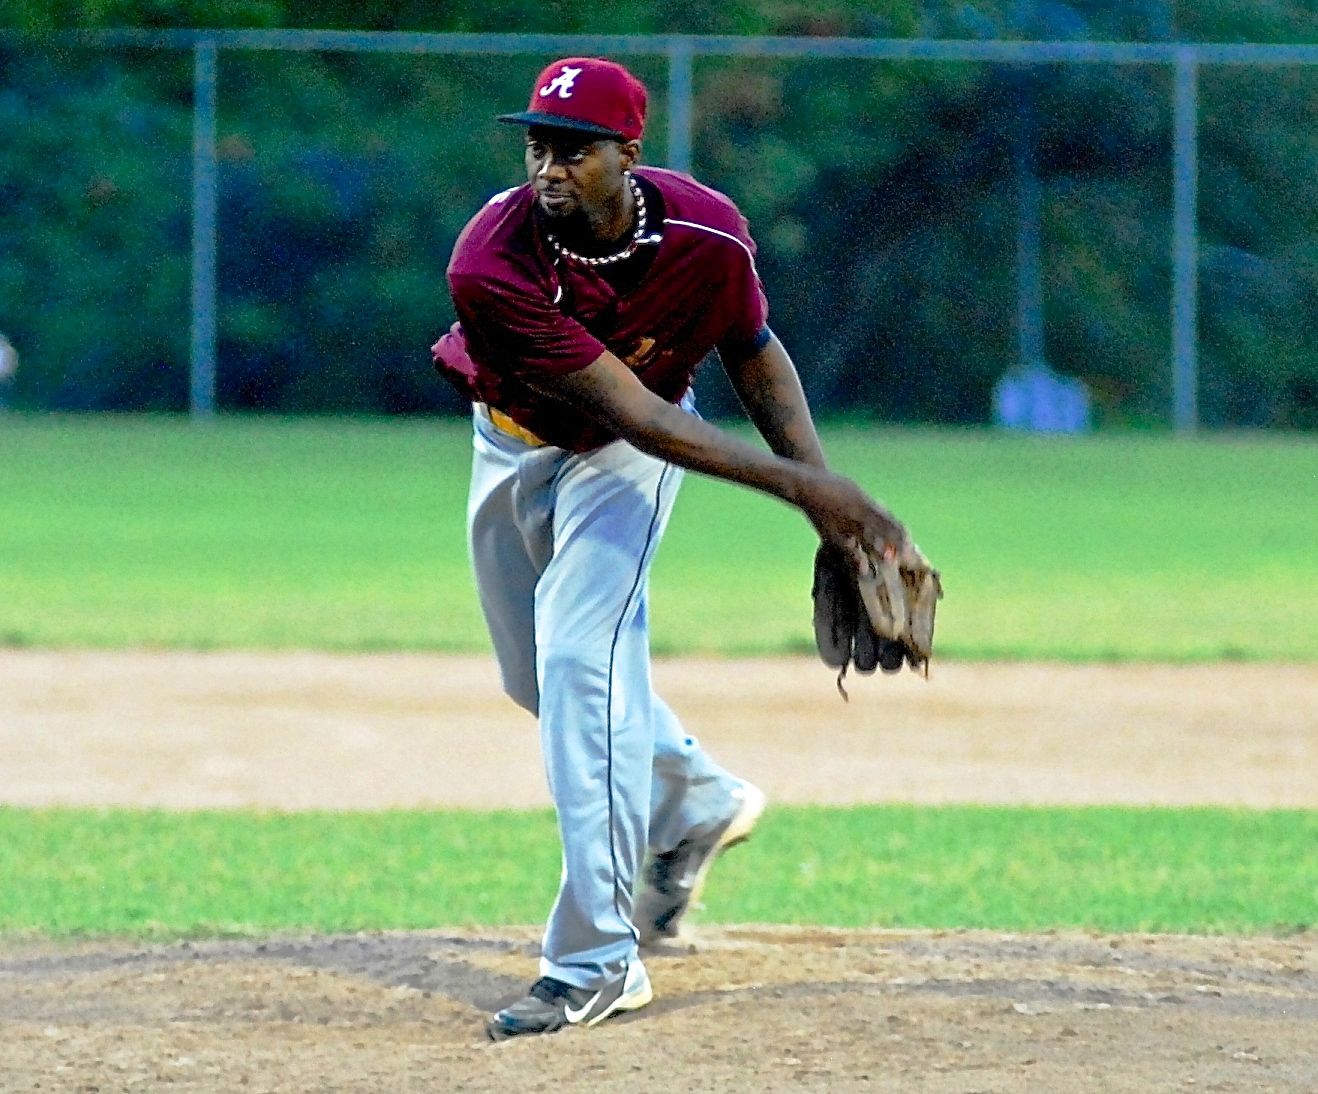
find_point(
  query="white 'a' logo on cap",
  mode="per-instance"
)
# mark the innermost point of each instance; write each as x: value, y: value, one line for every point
x: 562, y: 83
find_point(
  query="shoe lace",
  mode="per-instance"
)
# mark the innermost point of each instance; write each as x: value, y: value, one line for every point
x: 549, y: 990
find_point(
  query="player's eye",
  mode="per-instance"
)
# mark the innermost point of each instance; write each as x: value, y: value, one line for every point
x: 536, y: 150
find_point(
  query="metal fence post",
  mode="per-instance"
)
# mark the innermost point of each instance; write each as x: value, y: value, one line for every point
x: 680, y: 83
x: 1185, y: 243
x: 1029, y: 229
x: 204, y: 199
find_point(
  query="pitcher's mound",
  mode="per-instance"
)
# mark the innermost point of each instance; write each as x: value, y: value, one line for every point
x: 743, y: 1009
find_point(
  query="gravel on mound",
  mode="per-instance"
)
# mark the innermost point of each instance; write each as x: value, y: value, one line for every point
x: 742, y: 1008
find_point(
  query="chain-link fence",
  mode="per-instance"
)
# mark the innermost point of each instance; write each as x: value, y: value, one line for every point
x: 260, y: 219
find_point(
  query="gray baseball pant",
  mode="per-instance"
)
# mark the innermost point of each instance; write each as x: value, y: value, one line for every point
x: 561, y: 544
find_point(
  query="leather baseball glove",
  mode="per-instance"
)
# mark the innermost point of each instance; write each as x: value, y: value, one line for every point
x: 881, y: 618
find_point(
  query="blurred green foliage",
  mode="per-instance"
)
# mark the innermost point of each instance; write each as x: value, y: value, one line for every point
x: 883, y: 196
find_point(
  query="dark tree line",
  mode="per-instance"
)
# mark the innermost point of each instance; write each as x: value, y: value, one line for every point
x: 883, y: 196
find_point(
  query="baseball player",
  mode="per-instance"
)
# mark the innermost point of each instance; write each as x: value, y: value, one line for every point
x: 586, y: 297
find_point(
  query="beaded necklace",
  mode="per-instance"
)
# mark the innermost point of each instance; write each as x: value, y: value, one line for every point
x: 626, y: 252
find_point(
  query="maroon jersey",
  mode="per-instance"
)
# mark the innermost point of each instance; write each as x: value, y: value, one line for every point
x: 525, y: 312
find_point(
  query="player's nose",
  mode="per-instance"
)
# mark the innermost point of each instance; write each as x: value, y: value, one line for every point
x: 551, y: 168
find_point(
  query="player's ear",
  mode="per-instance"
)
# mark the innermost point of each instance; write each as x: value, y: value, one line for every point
x: 629, y: 153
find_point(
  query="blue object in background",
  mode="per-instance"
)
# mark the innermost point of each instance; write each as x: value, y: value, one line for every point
x: 1037, y: 399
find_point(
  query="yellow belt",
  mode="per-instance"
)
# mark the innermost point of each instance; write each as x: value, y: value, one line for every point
x: 506, y: 425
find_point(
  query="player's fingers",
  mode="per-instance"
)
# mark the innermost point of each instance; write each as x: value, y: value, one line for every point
x: 886, y: 539
x: 859, y: 556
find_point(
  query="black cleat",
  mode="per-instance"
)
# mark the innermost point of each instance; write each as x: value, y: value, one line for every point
x: 551, y: 1005
x: 672, y: 881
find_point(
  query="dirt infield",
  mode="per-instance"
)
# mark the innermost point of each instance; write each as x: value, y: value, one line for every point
x: 298, y: 731
x: 739, y: 1009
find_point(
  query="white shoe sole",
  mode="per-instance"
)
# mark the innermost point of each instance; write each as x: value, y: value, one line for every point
x: 752, y: 805
x: 637, y: 991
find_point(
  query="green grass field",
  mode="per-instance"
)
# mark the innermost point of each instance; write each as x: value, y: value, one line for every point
x: 159, y: 874
x: 348, y: 535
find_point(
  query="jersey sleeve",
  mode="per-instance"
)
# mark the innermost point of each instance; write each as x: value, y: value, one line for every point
x: 515, y: 330
x: 748, y: 306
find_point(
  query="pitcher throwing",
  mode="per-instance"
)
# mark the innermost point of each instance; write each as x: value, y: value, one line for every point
x: 586, y: 297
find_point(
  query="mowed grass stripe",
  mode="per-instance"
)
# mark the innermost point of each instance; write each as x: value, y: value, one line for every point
x: 347, y: 534
x: 70, y: 872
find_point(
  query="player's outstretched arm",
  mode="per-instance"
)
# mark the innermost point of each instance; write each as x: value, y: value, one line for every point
x: 841, y: 511
x: 767, y: 383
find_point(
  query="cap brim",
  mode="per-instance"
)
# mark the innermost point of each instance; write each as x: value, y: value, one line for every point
x: 558, y: 121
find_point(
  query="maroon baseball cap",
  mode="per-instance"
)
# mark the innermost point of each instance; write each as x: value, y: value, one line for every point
x: 589, y: 95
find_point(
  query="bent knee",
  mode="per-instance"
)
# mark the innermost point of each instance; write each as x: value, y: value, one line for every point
x: 575, y: 671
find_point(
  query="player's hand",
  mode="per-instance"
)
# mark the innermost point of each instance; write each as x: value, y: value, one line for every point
x: 844, y: 515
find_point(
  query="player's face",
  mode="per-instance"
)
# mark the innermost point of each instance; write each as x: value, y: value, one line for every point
x: 574, y: 174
